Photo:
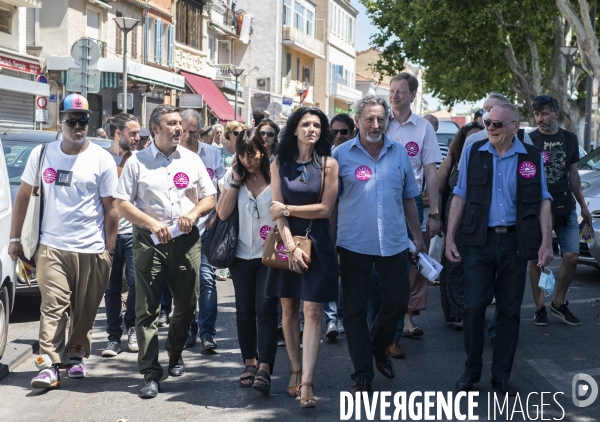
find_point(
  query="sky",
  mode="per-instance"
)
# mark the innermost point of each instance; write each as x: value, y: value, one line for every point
x: 364, y: 29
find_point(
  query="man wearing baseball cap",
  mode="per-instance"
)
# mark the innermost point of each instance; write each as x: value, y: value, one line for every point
x: 77, y: 239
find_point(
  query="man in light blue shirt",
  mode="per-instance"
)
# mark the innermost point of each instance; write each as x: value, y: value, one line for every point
x: 377, y: 190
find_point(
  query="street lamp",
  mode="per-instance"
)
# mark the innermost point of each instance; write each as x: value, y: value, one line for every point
x: 569, y: 53
x: 237, y: 72
x: 125, y: 25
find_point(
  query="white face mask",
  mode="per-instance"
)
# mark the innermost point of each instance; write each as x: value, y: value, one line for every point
x: 547, y: 281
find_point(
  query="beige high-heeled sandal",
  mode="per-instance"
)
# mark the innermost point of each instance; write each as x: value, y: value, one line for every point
x: 308, y: 402
x: 294, y: 390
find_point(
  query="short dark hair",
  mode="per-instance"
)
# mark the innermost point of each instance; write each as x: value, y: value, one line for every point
x: 344, y: 119
x: 542, y: 101
x: 247, y: 143
x: 119, y: 121
x: 160, y: 111
x: 287, y: 148
x: 413, y: 83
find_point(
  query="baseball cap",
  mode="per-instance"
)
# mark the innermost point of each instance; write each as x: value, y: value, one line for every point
x: 144, y: 133
x: 74, y: 103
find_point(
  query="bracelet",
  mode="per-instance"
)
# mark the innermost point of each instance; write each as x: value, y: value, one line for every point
x: 235, y: 186
x: 16, y: 239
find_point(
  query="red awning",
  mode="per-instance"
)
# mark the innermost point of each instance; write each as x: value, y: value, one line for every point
x: 213, y: 97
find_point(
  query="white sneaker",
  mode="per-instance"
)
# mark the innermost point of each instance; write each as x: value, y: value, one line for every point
x: 48, y: 376
x: 132, y: 340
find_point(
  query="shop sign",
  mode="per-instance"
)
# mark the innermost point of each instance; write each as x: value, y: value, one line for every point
x: 20, y: 66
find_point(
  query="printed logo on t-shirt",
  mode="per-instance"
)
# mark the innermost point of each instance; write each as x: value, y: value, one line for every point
x: 282, y: 256
x: 49, y: 175
x: 211, y: 173
x: 181, y: 180
x: 63, y: 178
x: 264, y: 232
x: 545, y: 157
x: 412, y: 148
x: 527, y: 169
x: 363, y: 173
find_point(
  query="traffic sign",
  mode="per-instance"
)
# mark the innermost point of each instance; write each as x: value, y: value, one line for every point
x: 41, y: 115
x: 41, y: 102
x: 83, y: 46
x: 120, y: 101
x: 41, y: 79
x: 74, y: 80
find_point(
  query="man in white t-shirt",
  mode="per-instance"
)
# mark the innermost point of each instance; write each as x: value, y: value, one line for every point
x: 125, y: 130
x: 206, y: 318
x: 78, y: 233
x: 163, y: 191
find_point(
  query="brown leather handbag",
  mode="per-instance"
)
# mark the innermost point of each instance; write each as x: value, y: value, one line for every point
x: 274, y: 254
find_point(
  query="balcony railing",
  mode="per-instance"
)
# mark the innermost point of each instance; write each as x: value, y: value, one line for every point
x: 224, y: 70
x: 102, y: 45
x: 224, y: 17
x: 304, y: 42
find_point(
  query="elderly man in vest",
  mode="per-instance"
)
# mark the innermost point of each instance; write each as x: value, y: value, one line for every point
x: 503, y: 206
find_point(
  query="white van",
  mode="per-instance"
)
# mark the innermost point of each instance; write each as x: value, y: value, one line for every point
x: 7, y: 266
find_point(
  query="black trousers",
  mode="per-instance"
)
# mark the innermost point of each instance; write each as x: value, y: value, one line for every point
x: 395, y: 293
x: 493, y: 269
x: 256, y: 313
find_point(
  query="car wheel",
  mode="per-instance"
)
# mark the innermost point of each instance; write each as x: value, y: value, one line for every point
x: 4, y: 314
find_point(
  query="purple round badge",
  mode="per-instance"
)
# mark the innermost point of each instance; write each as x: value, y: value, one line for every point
x: 49, y: 175
x: 282, y: 256
x: 545, y: 157
x: 363, y: 173
x: 181, y: 180
x: 412, y: 148
x: 264, y: 232
x: 527, y: 169
x: 211, y: 173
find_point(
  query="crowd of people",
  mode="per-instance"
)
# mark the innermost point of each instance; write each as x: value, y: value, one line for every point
x: 360, y: 189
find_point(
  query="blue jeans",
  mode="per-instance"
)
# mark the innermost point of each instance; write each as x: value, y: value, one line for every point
x: 123, y: 257
x: 334, y: 311
x: 375, y: 293
x: 206, y: 316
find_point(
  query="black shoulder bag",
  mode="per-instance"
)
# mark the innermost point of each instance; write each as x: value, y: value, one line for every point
x: 221, y: 242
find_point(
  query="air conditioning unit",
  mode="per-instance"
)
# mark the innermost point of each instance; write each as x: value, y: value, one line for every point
x: 264, y: 84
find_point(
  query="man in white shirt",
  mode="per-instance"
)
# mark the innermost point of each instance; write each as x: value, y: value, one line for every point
x: 125, y: 130
x: 78, y: 233
x: 163, y: 191
x: 206, y: 318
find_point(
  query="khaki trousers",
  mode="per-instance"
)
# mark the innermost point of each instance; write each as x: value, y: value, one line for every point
x: 179, y: 262
x: 72, y: 284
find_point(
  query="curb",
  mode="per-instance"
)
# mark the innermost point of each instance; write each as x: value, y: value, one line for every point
x: 18, y: 350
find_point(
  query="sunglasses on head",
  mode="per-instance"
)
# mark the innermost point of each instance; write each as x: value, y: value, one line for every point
x: 496, y: 123
x: 546, y: 99
x: 73, y: 122
x: 267, y: 134
x: 479, y: 112
x: 343, y: 132
x: 304, y: 175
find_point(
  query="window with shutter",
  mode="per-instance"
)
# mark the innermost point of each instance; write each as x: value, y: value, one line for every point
x: 118, y: 40
x: 30, y: 26
x: 134, y: 43
x: 171, y: 45
x: 6, y: 20
x: 157, y: 40
x: 93, y: 25
x: 147, y: 38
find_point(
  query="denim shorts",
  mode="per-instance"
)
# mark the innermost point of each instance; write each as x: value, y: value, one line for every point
x: 567, y: 233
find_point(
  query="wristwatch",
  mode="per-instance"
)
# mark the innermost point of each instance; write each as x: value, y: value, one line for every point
x: 15, y: 239
x: 286, y: 212
x: 435, y: 216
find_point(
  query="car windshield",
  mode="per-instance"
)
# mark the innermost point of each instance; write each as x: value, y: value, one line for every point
x: 444, y: 138
x: 17, y: 153
x: 590, y: 161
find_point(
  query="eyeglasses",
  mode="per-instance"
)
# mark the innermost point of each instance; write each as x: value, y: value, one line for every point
x: 267, y: 134
x: 343, y: 132
x: 236, y: 132
x: 73, y: 122
x: 304, y: 176
x: 254, y: 206
x: 496, y: 123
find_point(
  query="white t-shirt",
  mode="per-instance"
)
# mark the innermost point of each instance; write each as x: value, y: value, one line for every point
x: 213, y: 161
x: 73, y: 218
x: 253, y: 231
x: 418, y: 137
x: 125, y: 226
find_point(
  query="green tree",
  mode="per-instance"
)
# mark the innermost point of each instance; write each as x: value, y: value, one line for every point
x: 472, y: 48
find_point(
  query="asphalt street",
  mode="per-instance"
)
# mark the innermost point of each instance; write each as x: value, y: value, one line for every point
x: 547, y: 360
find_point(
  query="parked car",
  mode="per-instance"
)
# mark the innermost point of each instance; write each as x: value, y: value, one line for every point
x: 17, y: 146
x: 446, y: 131
x: 7, y: 266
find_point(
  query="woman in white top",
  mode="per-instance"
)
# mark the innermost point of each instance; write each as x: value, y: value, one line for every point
x: 247, y: 183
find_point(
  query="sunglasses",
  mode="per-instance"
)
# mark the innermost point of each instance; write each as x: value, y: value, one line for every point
x: 343, y: 132
x: 479, y: 112
x: 496, y: 123
x: 236, y: 132
x: 546, y: 99
x: 73, y: 122
x: 254, y: 206
x: 304, y: 176
x: 267, y: 134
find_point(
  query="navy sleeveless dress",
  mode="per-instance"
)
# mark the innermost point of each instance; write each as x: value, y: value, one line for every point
x: 320, y: 283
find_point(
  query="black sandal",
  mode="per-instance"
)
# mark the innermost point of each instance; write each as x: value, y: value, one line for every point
x: 262, y: 382
x: 248, y: 374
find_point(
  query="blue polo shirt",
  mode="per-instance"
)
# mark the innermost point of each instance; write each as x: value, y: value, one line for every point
x: 503, y: 205
x: 370, y: 210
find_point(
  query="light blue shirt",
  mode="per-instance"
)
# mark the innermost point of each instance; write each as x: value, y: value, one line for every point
x: 370, y: 210
x: 503, y: 205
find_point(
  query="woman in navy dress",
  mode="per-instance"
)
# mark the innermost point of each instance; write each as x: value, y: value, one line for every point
x: 302, y: 155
